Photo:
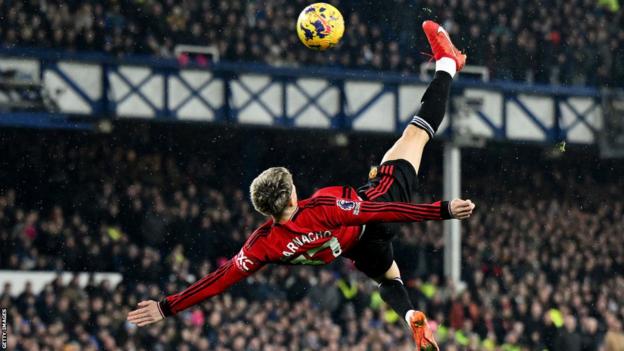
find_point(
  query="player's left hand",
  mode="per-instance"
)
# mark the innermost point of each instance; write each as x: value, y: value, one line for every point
x: 462, y: 209
x: 147, y: 313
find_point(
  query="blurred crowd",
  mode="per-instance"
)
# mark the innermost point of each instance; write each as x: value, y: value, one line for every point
x: 542, y: 257
x: 545, y: 41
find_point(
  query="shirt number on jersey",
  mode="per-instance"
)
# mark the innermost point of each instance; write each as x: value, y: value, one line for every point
x: 306, y: 258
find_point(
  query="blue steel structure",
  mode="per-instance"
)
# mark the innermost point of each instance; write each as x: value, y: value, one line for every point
x: 93, y: 86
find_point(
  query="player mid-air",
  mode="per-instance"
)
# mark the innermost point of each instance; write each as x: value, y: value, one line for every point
x: 341, y: 221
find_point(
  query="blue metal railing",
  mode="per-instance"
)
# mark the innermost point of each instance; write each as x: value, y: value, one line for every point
x: 118, y: 90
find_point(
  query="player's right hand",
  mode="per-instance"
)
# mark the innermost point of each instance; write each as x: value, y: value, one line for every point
x: 147, y: 313
x: 462, y: 209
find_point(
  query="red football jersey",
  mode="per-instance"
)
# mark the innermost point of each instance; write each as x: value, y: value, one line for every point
x: 322, y: 228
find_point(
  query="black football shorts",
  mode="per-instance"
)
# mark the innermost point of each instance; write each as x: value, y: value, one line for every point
x: 392, y: 181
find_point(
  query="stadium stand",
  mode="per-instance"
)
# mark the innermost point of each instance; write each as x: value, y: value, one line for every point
x: 542, y: 258
x: 559, y: 42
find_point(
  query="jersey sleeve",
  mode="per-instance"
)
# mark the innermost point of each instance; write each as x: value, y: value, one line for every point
x: 353, y: 212
x: 245, y: 263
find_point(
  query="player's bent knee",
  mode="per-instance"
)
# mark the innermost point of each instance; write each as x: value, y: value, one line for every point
x: 393, y: 273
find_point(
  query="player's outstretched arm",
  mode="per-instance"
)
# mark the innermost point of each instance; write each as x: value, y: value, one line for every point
x: 350, y: 212
x: 214, y: 283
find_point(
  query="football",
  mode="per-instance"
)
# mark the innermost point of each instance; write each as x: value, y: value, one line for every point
x: 320, y: 26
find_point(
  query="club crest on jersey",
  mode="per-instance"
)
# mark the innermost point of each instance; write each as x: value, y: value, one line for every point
x: 348, y: 205
x: 373, y: 173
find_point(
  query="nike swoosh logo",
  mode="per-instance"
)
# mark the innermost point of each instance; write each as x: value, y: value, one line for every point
x: 441, y: 30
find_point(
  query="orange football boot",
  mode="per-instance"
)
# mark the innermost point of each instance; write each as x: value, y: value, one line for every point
x: 422, y: 333
x: 441, y: 44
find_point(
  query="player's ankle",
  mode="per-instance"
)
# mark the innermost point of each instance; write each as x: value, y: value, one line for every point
x: 446, y: 64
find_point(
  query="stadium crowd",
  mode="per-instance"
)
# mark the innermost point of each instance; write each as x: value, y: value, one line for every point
x: 542, y: 258
x: 547, y: 41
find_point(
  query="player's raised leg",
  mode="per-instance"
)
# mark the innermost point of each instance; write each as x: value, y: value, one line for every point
x: 410, y: 147
x: 424, y: 125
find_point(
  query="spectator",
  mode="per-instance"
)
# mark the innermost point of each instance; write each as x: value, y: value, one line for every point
x: 591, y: 336
x: 568, y: 338
x: 614, y: 340
x: 325, y: 293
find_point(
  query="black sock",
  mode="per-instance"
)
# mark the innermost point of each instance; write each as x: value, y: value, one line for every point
x: 394, y: 294
x: 434, y: 103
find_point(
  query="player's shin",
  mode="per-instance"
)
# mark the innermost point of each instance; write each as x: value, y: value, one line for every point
x: 393, y: 292
x: 434, y: 100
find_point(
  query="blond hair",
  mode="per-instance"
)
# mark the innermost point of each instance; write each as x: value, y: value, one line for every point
x: 270, y: 191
